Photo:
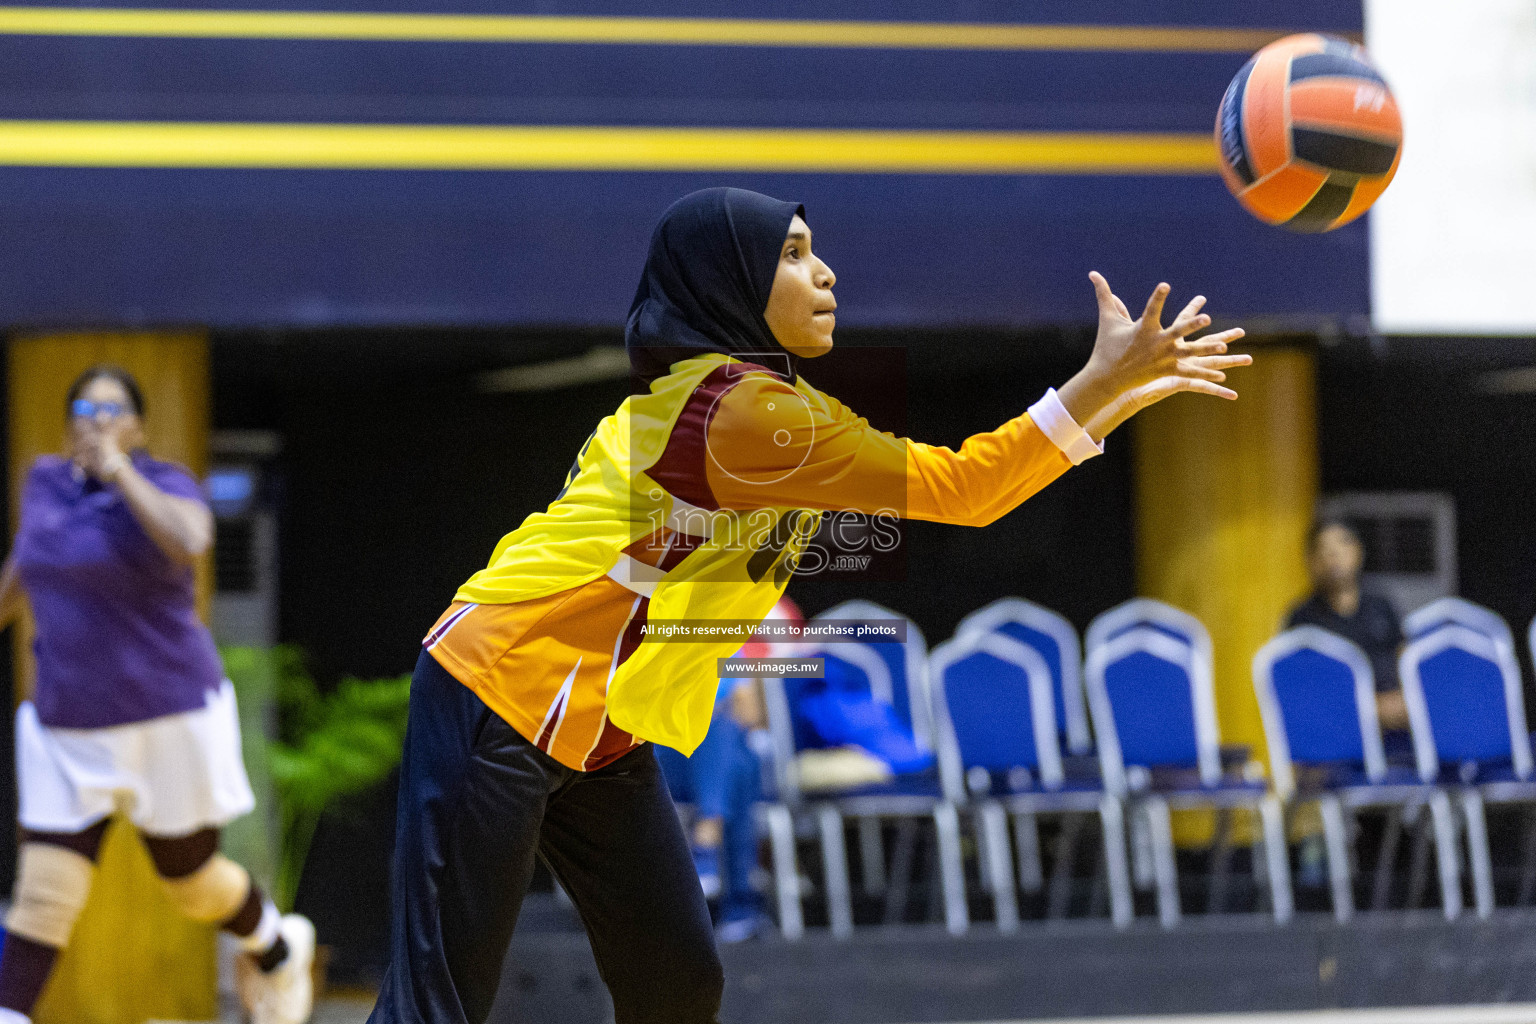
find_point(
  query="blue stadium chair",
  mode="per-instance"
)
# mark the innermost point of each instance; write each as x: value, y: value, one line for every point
x: 909, y: 800
x: 1055, y: 640
x: 1154, y: 714
x: 1153, y: 614
x: 1184, y: 627
x: 1528, y: 873
x: 908, y: 694
x: 907, y: 662
x: 1467, y: 713
x: 1448, y: 611
x: 1317, y: 698
x: 1530, y: 642
x: 995, y: 711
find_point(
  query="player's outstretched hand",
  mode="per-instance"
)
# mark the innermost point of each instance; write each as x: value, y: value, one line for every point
x: 1139, y: 362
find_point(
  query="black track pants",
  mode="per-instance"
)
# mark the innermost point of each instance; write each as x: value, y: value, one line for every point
x: 477, y: 803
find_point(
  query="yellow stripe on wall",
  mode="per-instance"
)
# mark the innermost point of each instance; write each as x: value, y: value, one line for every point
x: 522, y: 148
x: 494, y: 28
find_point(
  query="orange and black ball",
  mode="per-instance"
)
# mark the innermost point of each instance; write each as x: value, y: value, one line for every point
x: 1308, y: 133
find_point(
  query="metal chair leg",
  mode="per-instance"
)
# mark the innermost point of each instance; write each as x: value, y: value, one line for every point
x: 1154, y: 811
x: 1098, y: 889
x: 1220, y: 866
x: 1260, y: 861
x: 983, y: 854
x: 1477, y: 851
x: 1059, y: 899
x: 903, y: 869
x: 1527, y: 859
x: 1423, y: 834
x: 834, y: 860
x: 872, y: 856
x: 1026, y: 831
x: 957, y: 916
x: 1277, y: 857
x: 1386, y: 858
x: 1449, y: 864
x: 1352, y: 841
x: 1116, y: 861
x: 932, y: 868
x: 786, y: 872
x: 1336, y: 839
x: 994, y: 825
x: 1143, y: 864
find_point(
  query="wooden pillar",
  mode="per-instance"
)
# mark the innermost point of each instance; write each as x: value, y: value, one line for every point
x: 1225, y: 492
x: 132, y: 957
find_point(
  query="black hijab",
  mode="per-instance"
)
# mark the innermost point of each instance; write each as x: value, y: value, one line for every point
x: 706, y: 282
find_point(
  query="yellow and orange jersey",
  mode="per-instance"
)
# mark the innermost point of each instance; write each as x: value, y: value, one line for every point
x: 691, y: 503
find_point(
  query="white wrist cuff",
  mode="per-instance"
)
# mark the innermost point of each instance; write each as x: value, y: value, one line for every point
x: 1065, y: 432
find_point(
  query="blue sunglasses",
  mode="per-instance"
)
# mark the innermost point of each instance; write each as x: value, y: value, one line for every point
x: 85, y: 409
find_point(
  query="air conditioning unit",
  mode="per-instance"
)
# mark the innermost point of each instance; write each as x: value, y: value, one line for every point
x: 245, y: 539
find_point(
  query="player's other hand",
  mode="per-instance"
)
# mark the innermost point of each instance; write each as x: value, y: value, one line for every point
x: 1138, y: 362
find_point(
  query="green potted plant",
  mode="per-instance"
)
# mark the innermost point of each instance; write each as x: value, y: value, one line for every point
x: 329, y: 746
x: 305, y: 753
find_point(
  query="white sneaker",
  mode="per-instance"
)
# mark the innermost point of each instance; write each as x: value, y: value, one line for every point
x: 286, y: 994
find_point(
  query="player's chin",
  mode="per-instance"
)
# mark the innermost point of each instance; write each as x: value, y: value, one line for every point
x: 818, y: 339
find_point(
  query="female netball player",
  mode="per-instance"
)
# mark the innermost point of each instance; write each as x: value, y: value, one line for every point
x: 538, y: 688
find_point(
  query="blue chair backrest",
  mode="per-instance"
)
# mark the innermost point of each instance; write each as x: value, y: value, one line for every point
x: 906, y: 663
x: 1449, y: 611
x: 1464, y: 701
x: 1153, y: 705
x: 1147, y: 613
x: 1530, y: 643
x: 853, y: 668
x: 1055, y: 640
x: 1317, y: 699
x: 993, y: 701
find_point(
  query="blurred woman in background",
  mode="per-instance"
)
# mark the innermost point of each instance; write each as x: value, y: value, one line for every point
x: 132, y: 712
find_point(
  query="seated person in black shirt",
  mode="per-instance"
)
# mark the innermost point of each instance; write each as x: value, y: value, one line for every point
x: 1339, y: 605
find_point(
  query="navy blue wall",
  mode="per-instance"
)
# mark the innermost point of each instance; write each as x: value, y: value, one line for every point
x: 244, y: 247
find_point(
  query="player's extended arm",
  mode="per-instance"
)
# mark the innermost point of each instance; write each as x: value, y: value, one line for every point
x: 770, y: 446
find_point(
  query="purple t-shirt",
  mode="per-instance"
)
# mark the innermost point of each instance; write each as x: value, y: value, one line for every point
x: 118, y: 638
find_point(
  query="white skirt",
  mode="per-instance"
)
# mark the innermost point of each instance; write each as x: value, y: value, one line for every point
x: 171, y: 776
